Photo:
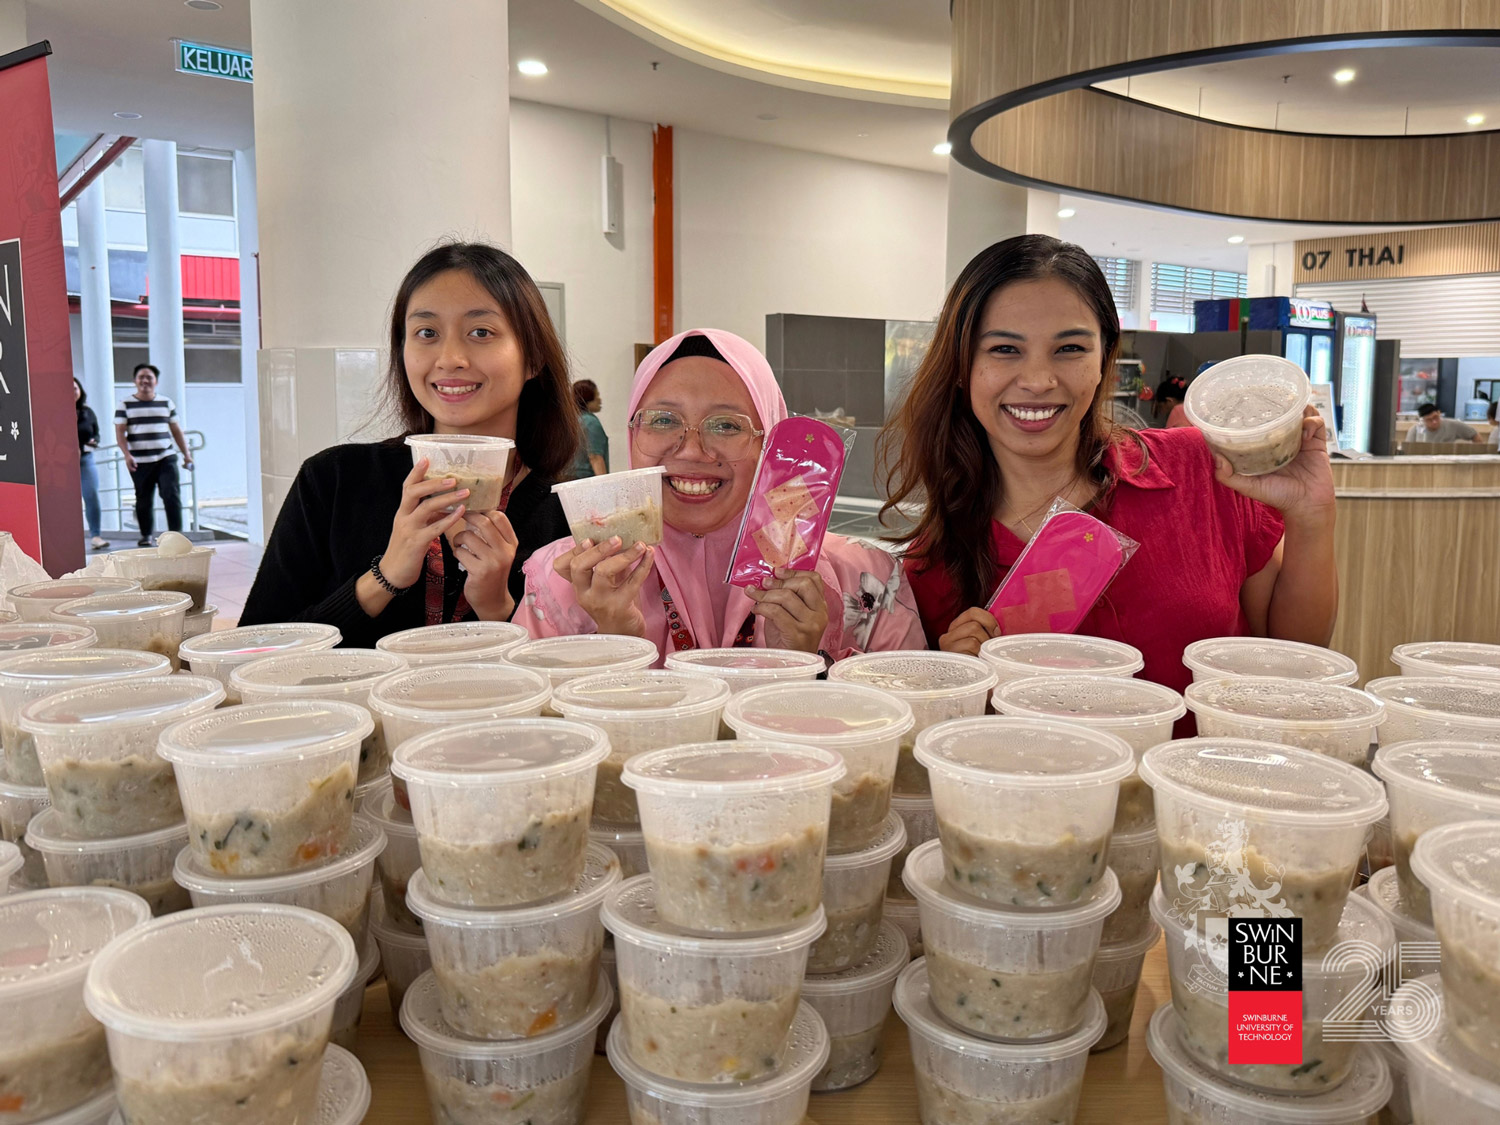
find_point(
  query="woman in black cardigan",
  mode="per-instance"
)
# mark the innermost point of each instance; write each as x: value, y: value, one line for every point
x: 363, y: 542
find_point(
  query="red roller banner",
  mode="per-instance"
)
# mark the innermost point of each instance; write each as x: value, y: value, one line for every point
x: 40, y: 502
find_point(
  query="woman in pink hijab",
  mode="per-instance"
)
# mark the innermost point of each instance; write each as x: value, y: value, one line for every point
x: 700, y: 406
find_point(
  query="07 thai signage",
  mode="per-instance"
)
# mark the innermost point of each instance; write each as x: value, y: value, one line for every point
x: 1436, y: 252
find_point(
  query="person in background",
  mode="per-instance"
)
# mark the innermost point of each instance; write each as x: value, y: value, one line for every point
x: 1432, y: 426
x: 145, y: 428
x: 364, y: 541
x: 1171, y: 393
x: 88, y: 474
x: 593, y: 454
x: 1494, y: 425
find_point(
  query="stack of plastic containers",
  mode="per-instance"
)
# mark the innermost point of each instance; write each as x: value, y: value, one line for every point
x: 35, y: 601
x: 219, y: 654
x: 142, y: 621
x: 712, y: 945
x: 744, y: 668
x: 561, y: 659
x: 1418, y: 709
x: 153, y: 568
x: 458, y: 642
x: 1331, y: 719
x: 1048, y: 654
x: 1229, y: 657
x: 11, y: 862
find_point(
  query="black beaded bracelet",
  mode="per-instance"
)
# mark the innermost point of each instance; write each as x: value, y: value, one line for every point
x: 385, y: 583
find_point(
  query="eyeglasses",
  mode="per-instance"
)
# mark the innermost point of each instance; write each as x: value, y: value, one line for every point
x: 661, y: 433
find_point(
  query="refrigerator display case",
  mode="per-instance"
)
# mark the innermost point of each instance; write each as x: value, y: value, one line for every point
x: 1309, y: 330
x: 1356, y: 382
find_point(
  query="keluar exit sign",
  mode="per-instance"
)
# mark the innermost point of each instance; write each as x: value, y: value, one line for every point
x: 215, y: 62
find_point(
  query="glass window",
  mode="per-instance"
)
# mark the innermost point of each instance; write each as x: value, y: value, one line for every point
x: 1175, y: 288
x: 1122, y: 275
x: 125, y: 182
x: 205, y: 185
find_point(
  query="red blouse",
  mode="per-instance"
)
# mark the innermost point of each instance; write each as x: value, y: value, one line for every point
x: 1199, y: 542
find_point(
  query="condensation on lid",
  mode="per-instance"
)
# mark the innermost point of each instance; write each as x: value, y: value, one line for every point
x: 738, y: 764
x: 83, y: 664
x: 1447, y: 658
x: 500, y: 746
x: 1025, y: 751
x: 269, y: 731
x: 746, y: 660
x: 887, y: 957
x: 642, y: 690
x: 343, y: 1089
x: 452, y: 639
x: 1462, y: 860
x: 19, y: 637
x: 915, y: 674
x: 123, y: 702
x: 602, y: 651
x: 1089, y: 698
x: 1462, y: 699
x: 1257, y: 656
x: 1285, y: 700
x: 1467, y: 771
x: 1252, y: 392
x: 834, y: 713
x: 460, y: 687
x: 136, y: 603
x: 71, y: 589
x: 252, y: 641
x: 1063, y: 652
x: 311, y: 670
x: 49, y: 937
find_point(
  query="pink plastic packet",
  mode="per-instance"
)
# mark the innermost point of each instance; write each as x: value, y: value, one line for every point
x: 1061, y: 573
x: 791, y: 500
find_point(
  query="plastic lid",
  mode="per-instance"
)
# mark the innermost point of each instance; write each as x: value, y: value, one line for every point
x: 71, y: 589
x: 609, y: 480
x: 91, y: 1112
x: 1025, y: 753
x: 114, y: 704
x: 1126, y: 841
x: 1246, y: 395
x: 1465, y: 772
x: 611, y: 835
x: 565, y: 658
x: 892, y: 839
x: 422, y: 1019
x: 460, y: 692
x: 1274, y: 782
x: 263, y: 733
x: 629, y: 912
x: 343, y: 1089
x: 82, y: 664
x: 1279, y: 702
x: 1443, y: 658
x: 1125, y: 950
x: 748, y: 663
x: 221, y: 971
x: 1462, y: 861
x: 914, y: 1005
x: 1360, y: 1096
x: 36, y: 794
x: 641, y: 694
x: 381, y: 807
x: 309, y: 675
x: 11, y: 861
x: 21, y: 636
x: 251, y: 642
x: 388, y: 933
x: 601, y: 871
x: 1091, y: 700
x: 456, y: 641
x: 1469, y: 701
x: 477, y: 440
x: 828, y: 714
x: 136, y: 603
x: 49, y: 938
x: 366, y: 841
x: 732, y: 768
x: 1384, y: 892
x: 1426, y: 1038
x: 887, y: 957
x: 46, y: 833
x: 1259, y: 656
x: 1031, y: 654
x: 508, y: 750
x: 924, y: 878
x: 916, y: 675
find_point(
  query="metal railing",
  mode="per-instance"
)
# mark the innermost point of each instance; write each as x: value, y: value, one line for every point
x: 117, y: 490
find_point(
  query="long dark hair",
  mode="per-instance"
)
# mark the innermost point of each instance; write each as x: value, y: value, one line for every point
x: 83, y: 395
x: 933, y: 449
x: 547, y: 429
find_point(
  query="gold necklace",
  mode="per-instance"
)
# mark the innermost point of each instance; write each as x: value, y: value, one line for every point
x: 1063, y: 495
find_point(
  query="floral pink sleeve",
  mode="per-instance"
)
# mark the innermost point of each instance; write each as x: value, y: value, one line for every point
x: 878, y: 611
x: 548, y: 608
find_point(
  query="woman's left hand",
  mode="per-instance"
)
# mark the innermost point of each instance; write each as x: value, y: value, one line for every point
x: 1300, y: 490
x: 793, y: 608
x: 487, y: 548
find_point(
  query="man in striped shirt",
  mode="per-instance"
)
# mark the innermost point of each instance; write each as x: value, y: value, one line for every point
x: 145, y: 428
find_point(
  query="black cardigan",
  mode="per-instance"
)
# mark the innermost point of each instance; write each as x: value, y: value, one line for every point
x: 337, y: 517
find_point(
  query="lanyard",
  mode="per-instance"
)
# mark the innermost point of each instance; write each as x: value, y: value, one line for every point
x: 682, y: 636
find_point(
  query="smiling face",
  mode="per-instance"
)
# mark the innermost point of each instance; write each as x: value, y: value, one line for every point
x: 462, y: 358
x: 145, y: 384
x: 700, y: 493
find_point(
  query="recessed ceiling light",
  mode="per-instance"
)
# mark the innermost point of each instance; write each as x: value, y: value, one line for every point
x: 1066, y: 213
x: 1236, y: 238
x: 942, y: 148
x: 125, y: 115
x: 532, y: 68
x: 1475, y: 119
x: 765, y: 117
x: 1345, y: 75
x: 203, y: 5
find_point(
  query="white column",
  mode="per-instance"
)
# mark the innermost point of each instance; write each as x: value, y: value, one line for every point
x: 1270, y: 268
x: 1143, y: 297
x: 94, y: 309
x: 381, y: 127
x: 12, y: 26
x: 981, y: 212
x: 247, y: 224
x: 1041, y: 212
x: 164, y: 273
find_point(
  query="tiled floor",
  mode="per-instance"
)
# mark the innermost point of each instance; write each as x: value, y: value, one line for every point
x: 229, y: 579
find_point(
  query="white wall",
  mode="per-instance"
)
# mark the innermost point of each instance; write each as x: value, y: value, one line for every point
x: 1270, y: 269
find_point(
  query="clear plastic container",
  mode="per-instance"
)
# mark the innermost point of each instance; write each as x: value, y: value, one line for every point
x: 178, y: 574
x: 544, y: 1079
x: 1198, y: 969
x: 1195, y: 1094
x: 502, y: 807
x: 937, y: 686
x: 1461, y: 710
x: 18, y: 805
x: 1261, y: 827
x: 853, y: 900
x: 960, y: 1078
x: 98, y: 1110
x: 1430, y: 784
x: 338, y: 888
x: 142, y: 621
x: 401, y: 859
x: 703, y: 1010
x: 521, y: 972
x: 1417, y: 948
x: 32, y: 676
x: 626, y: 505
x: 627, y: 842
x: 345, y: 675
x: 743, y: 668
x: 1135, y: 860
x: 1337, y: 721
x: 904, y: 914
x: 920, y: 819
x: 1447, y: 1085
x: 222, y: 1013
x: 219, y: 654
x: 1218, y: 657
x: 97, y: 745
x: 196, y: 624
x: 864, y: 725
x: 1464, y: 660
x: 640, y: 711
x: 458, y: 642
x: 350, y: 1008
x: 736, y: 833
x: 1460, y: 863
x: 403, y: 954
x: 1047, y: 654
x: 23, y: 636
x: 1249, y: 410
x: 477, y: 462
x: 1117, y: 976
x: 1024, y: 807
x: 268, y: 788
x: 140, y: 864
x: 35, y: 601
x: 11, y: 862
x: 1009, y: 975
x: 52, y: 1052
x: 1140, y: 712
x: 853, y: 1005
x: 1397, y: 1110
x: 561, y: 659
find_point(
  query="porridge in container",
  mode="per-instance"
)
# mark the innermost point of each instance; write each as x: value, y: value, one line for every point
x: 1257, y: 828
x: 140, y: 621
x: 1135, y: 860
x: 35, y: 601
x: 1337, y: 721
x: 97, y: 746
x: 140, y: 864
x: 703, y: 1009
x: 350, y: 1008
x: 1416, y: 941
x: 1117, y: 976
x: 1249, y: 410
x: 854, y: 898
x: 473, y: 461
x: 458, y: 642
x: 854, y: 1004
x: 218, y: 654
x: 862, y: 725
x: 626, y: 505
x: 736, y: 832
x: 19, y: 804
x: 628, y: 844
x: 1226, y: 657
x: 401, y: 859
x: 1461, y: 659
x: 267, y: 788
x: 154, y: 568
x: 502, y: 807
x: 1415, y: 709
x: 1446, y: 1083
x: 1024, y: 807
x: 1050, y: 654
x: 561, y: 659
x: 920, y: 820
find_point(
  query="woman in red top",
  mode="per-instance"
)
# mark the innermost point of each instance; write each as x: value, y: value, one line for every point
x: 1010, y: 411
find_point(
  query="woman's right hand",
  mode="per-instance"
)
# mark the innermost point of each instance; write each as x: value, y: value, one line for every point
x: 607, y: 582
x: 969, y: 630
x: 420, y: 519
